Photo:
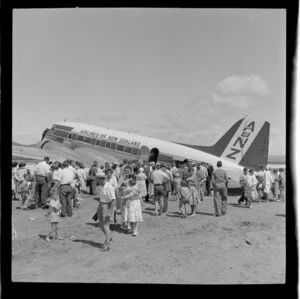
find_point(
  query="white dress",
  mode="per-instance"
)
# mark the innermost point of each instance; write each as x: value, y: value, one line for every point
x: 141, y: 183
x: 82, y: 178
x: 268, y: 181
x: 133, y: 211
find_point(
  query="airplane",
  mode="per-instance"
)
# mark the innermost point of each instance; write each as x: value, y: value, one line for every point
x: 245, y: 144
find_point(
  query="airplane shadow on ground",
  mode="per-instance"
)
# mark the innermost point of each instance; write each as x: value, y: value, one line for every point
x: 91, y: 243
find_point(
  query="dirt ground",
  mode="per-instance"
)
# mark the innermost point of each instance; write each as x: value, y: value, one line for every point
x: 245, y: 246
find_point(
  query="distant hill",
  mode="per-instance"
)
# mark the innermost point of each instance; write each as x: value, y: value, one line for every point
x: 276, y: 159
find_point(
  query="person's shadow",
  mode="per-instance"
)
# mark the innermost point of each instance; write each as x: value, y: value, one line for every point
x: 174, y: 214
x: 115, y: 227
x: 89, y: 242
x: 203, y: 213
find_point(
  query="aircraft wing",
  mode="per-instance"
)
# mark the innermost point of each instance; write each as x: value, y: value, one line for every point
x: 58, y: 152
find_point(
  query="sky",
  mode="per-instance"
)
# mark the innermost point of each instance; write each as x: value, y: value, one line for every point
x: 183, y: 75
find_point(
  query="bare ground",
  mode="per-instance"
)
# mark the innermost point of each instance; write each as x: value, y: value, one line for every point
x: 245, y: 246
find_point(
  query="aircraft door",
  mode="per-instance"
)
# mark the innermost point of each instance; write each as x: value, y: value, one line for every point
x: 154, y: 155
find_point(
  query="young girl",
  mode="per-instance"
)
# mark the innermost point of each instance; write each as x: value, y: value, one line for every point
x: 194, y: 195
x: 54, y: 212
x: 133, y: 212
x: 185, y: 198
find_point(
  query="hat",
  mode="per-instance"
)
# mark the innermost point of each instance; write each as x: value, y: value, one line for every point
x: 163, y: 165
x: 101, y: 176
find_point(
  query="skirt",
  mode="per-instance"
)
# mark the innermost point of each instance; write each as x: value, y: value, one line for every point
x: 248, y: 192
x: 151, y: 189
x: 142, y: 187
x: 82, y: 184
x: 133, y: 211
x: 104, y: 214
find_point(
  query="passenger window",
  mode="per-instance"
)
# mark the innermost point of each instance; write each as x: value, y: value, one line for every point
x: 74, y: 136
x: 80, y: 138
x: 102, y: 143
x: 93, y: 141
x: 87, y: 139
x: 113, y: 146
x: 107, y: 144
x: 120, y: 148
x: 127, y: 149
x: 98, y: 142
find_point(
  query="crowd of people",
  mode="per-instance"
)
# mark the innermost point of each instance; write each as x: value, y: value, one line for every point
x: 262, y: 185
x: 125, y: 187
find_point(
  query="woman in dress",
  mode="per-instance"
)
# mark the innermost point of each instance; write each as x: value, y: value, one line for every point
x: 121, y: 186
x: 194, y: 195
x: 253, y: 184
x: 21, y: 184
x: 133, y: 213
x: 82, y: 177
x: 141, y: 182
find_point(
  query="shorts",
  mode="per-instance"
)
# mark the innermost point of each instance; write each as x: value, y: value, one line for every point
x: 104, y: 214
x: 158, y: 191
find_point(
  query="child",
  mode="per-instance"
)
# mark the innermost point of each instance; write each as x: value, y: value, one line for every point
x: 133, y: 212
x: 54, y: 212
x: 185, y: 198
x: 194, y: 195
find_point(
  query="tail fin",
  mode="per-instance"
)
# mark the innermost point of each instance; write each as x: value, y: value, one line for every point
x: 249, y: 146
x: 245, y: 143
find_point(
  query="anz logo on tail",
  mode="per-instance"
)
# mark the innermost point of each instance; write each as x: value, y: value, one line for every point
x: 241, y: 141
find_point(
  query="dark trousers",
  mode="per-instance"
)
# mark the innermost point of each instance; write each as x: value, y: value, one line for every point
x: 208, y: 186
x: 93, y: 187
x: 66, y: 195
x: 41, y: 190
x: 220, y: 198
x: 242, y: 198
x: 165, y: 206
x: 147, y: 196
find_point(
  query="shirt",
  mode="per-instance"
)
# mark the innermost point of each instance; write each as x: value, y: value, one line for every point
x: 67, y: 176
x: 56, y: 175
x: 42, y: 169
x: 220, y: 176
x: 169, y: 173
x: 204, y: 169
x: 113, y: 181
x: 174, y: 170
x: 158, y: 177
x: 107, y: 193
